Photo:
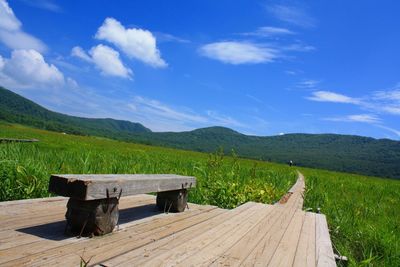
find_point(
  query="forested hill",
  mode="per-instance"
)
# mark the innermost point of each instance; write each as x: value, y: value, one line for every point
x: 15, y: 108
x: 346, y: 153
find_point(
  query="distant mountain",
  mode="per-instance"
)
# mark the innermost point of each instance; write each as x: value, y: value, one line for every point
x: 15, y: 108
x: 347, y: 153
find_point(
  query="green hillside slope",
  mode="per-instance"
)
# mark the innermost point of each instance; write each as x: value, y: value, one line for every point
x: 346, y: 153
x: 15, y: 108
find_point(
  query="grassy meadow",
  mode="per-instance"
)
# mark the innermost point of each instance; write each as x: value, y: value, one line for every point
x: 224, y: 181
x: 363, y: 212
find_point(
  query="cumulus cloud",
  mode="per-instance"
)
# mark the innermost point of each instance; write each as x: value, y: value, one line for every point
x: 27, y: 69
x: 106, y: 59
x: 239, y: 52
x: 11, y: 33
x: 134, y: 42
x: 327, y: 96
x: 77, y: 51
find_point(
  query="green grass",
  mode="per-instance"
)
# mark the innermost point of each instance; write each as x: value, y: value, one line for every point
x: 363, y: 215
x: 224, y: 181
x: 363, y: 212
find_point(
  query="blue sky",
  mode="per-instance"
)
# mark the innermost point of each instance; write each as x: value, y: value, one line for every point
x: 259, y: 67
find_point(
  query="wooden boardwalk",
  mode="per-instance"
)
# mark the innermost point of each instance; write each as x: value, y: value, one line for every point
x: 253, y: 234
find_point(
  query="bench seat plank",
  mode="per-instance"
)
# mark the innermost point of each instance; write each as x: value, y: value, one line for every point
x: 95, y: 186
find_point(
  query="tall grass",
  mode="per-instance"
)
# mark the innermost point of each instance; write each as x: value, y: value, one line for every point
x: 225, y: 181
x: 363, y: 215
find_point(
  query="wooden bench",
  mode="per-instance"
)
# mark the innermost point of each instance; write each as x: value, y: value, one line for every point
x: 93, y: 204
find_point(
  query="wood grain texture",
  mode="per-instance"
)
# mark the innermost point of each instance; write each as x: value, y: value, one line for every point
x: 252, y: 234
x: 96, y: 186
x: 324, y: 252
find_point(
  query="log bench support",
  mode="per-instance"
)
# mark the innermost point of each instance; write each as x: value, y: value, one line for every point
x: 87, y: 217
x: 92, y: 208
x: 175, y: 201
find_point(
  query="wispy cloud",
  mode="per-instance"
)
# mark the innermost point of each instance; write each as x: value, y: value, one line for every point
x: 44, y: 4
x: 256, y: 99
x: 395, y: 131
x: 327, y: 96
x: 163, y: 117
x: 299, y: 47
x: 366, y: 118
x: 235, y: 53
x: 12, y: 34
x: 308, y: 84
x: 219, y: 119
x: 156, y: 108
x: 383, y: 101
x: 269, y: 31
x: 292, y: 15
x: 166, y: 37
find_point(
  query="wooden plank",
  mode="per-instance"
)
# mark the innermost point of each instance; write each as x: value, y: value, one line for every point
x: 234, y: 255
x: 209, y: 254
x: 305, y: 254
x: 108, y: 248
x: 41, y: 214
x: 47, y: 250
x: 15, y: 140
x: 265, y: 248
x: 95, y: 186
x: 176, y: 254
x: 53, y: 229
x: 31, y: 201
x: 157, y: 249
x: 324, y: 252
x: 286, y: 250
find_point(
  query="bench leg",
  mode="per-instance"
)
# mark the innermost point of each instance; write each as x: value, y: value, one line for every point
x: 174, y: 201
x: 92, y: 217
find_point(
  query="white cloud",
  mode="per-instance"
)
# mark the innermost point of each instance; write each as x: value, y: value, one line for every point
x: 163, y: 117
x: 395, y: 131
x: 379, y: 102
x: 366, y: 118
x: 27, y: 69
x: 239, y: 52
x: 392, y: 95
x: 44, y: 4
x: 79, y: 52
x: 299, y: 47
x: 156, y: 108
x: 223, y: 120
x: 134, y: 42
x: 166, y: 37
x: 308, y: 84
x: 11, y: 33
x: 269, y: 31
x: 106, y: 59
x: 387, y: 101
x: 327, y: 96
x: 292, y: 15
